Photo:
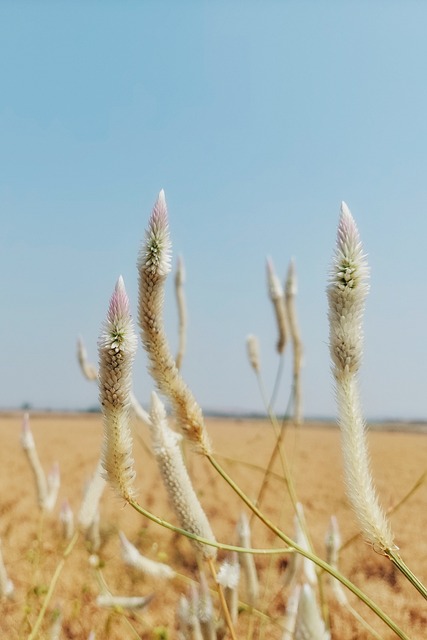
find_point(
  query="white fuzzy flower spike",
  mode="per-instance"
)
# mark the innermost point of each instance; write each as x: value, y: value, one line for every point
x: 252, y: 347
x: 117, y: 347
x: 153, y: 267
x: 124, y: 602
x: 29, y: 446
x: 275, y: 291
x: 347, y: 292
x: 133, y: 558
x: 6, y: 585
x: 176, y: 479
x: 247, y: 561
x: 309, y: 623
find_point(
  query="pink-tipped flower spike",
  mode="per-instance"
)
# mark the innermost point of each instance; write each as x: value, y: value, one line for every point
x: 153, y: 267
x: 275, y: 292
x: 67, y: 520
x: 176, y: 480
x: 347, y: 291
x: 117, y: 347
x: 133, y: 558
x: 88, y: 369
x: 29, y: 446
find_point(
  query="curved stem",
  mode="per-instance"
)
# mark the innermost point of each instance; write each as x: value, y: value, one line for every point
x: 309, y: 555
x: 218, y: 545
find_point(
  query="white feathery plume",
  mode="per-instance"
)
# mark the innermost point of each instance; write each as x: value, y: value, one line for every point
x: 333, y: 544
x: 92, y: 495
x: 275, y: 291
x: 183, y: 616
x: 88, y: 369
x: 300, y: 569
x: 67, y: 520
x: 247, y: 561
x: 124, y: 602
x: 176, y: 480
x: 309, y: 624
x: 53, y: 483
x: 6, y: 585
x: 205, y: 610
x: 193, y: 619
x: 291, y: 613
x: 153, y: 268
x: 228, y: 577
x: 117, y: 347
x: 133, y: 558
x: 29, y: 446
x: 347, y: 292
x: 252, y: 346
x: 93, y: 534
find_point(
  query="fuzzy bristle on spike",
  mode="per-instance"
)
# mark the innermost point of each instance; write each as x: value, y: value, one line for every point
x: 153, y: 267
x: 347, y: 291
x: 117, y: 346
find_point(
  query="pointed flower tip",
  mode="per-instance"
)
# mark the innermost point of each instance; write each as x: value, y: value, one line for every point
x: 347, y: 229
x: 159, y: 215
x: 119, y: 302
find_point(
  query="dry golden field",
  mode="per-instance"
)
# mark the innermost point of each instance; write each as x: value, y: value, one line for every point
x: 32, y: 546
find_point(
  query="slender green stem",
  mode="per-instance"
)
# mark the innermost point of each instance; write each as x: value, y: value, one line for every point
x: 193, y: 536
x: 52, y: 586
x: 277, y: 381
x: 405, y: 570
x: 309, y: 555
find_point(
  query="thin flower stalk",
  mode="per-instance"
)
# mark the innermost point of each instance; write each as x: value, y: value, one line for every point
x: 29, y: 446
x: 176, y: 479
x: 275, y: 292
x: 347, y: 293
x: 182, y: 311
x: 247, y: 561
x: 290, y: 295
x: 133, y: 558
x: 153, y: 268
x: 117, y: 347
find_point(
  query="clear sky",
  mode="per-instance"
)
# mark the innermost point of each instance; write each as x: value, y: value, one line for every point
x: 257, y: 118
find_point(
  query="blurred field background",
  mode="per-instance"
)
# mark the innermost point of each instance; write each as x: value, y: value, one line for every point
x: 31, y: 547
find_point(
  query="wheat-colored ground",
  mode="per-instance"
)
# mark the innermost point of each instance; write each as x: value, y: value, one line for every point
x: 32, y: 548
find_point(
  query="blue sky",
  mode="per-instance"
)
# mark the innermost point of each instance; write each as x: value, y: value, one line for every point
x: 257, y: 118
